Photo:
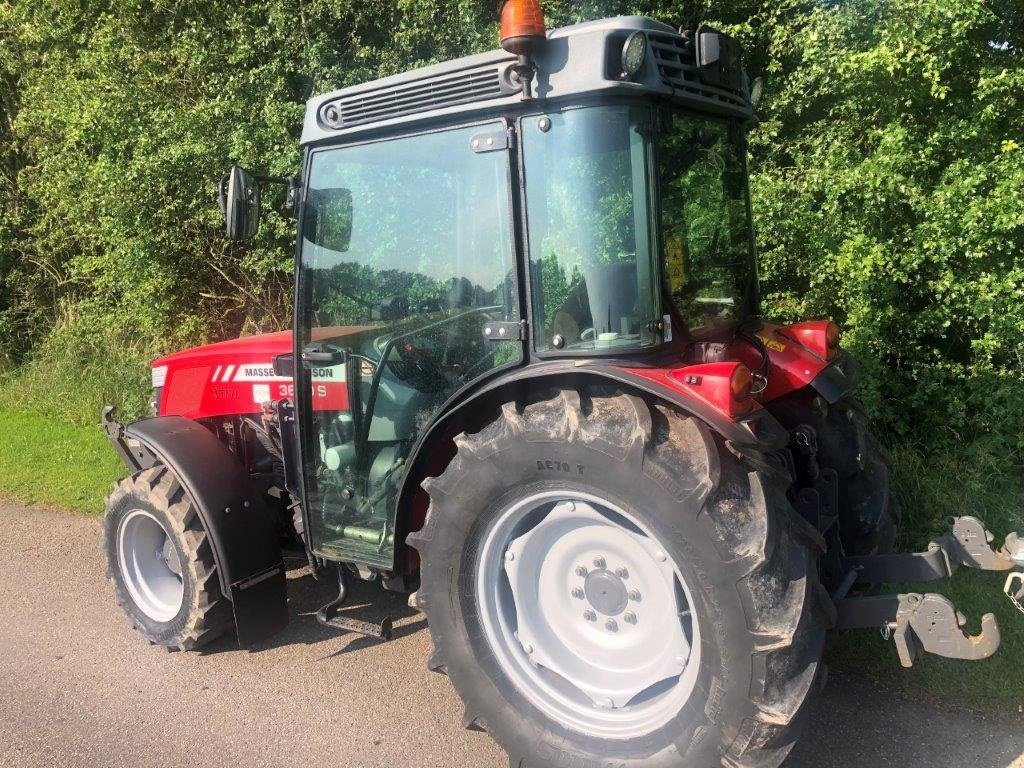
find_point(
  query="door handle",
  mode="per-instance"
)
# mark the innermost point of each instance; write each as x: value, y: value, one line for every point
x: 317, y: 356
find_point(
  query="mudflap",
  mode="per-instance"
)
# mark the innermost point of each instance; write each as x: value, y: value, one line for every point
x: 261, y: 606
x: 243, y: 534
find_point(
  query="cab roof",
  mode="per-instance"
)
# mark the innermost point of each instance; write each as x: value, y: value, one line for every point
x: 576, y: 62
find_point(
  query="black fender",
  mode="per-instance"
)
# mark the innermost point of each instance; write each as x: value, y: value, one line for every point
x: 759, y: 431
x: 837, y: 379
x: 243, y: 535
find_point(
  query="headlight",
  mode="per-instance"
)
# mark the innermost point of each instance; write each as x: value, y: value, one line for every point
x: 634, y: 54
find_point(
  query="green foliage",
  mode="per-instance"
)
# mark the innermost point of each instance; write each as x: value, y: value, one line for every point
x: 887, y: 188
x: 78, y: 369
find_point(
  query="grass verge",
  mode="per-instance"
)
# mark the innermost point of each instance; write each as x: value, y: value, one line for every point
x: 47, y: 461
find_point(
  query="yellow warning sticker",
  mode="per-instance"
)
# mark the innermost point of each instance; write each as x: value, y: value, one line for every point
x: 778, y: 346
x: 674, y: 262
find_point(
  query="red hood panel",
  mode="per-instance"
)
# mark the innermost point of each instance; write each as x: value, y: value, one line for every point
x: 272, y: 344
x: 235, y: 377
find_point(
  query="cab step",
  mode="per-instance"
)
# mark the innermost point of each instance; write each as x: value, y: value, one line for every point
x: 330, y: 615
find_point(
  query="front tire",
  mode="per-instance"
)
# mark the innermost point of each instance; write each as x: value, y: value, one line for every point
x: 161, y: 564
x: 748, y: 625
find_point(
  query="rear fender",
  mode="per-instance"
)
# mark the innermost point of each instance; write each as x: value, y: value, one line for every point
x: 759, y: 431
x: 243, y: 535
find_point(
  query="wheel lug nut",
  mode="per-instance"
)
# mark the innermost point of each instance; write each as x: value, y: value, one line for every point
x: 622, y: 573
x: 630, y: 617
x: 661, y: 557
x: 577, y: 593
x: 590, y: 616
x: 528, y: 648
x: 634, y: 595
x: 510, y: 556
x: 599, y: 562
x: 581, y: 571
x: 611, y: 625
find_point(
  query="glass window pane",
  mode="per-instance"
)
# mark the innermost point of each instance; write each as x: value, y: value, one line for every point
x: 588, y: 186
x: 407, y: 253
x: 709, y: 263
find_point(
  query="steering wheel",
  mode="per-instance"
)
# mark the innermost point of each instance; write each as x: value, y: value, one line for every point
x: 414, y: 366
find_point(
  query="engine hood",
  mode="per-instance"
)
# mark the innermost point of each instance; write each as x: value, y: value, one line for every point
x: 237, y: 377
x: 264, y: 344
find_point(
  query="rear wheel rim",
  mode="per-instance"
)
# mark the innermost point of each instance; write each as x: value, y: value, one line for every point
x: 150, y: 565
x: 587, y: 613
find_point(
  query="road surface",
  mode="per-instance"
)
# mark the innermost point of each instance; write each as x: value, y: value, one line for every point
x: 78, y: 687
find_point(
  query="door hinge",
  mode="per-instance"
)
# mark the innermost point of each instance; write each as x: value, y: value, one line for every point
x: 505, y: 330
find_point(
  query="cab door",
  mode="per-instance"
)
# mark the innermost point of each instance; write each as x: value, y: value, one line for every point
x: 407, y: 261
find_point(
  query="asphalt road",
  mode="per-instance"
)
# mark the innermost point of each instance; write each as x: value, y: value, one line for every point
x: 79, y: 688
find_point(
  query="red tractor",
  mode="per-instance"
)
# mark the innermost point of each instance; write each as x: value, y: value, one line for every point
x: 529, y: 385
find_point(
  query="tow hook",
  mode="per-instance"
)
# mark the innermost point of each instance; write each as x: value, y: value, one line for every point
x: 932, y: 624
x: 1013, y: 550
x: 1015, y: 593
x: 929, y: 622
x: 1014, y: 589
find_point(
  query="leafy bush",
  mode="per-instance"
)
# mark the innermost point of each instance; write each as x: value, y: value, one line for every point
x: 80, y: 367
x: 886, y: 176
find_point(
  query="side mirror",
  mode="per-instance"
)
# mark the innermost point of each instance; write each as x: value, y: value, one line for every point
x: 327, y: 218
x: 240, y: 203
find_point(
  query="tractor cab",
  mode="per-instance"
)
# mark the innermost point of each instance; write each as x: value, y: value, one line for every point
x: 577, y: 195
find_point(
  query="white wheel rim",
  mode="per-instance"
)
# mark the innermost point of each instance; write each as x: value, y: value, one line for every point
x: 150, y: 566
x: 588, y: 614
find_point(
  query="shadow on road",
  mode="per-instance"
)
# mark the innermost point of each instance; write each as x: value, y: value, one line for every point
x: 856, y: 725
x: 366, y: 601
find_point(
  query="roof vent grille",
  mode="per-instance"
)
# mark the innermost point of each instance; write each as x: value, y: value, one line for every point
x: 410, y: 98
x: 679, y: 72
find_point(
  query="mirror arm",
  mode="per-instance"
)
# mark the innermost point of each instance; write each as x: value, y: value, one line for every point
x: 293, y: 183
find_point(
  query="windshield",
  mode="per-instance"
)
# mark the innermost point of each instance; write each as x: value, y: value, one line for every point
x: 588, y: 184
x: 407, y: 257
x: 709, y: 269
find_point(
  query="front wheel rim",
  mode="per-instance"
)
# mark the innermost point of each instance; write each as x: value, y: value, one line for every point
x: 587, y: 613
x: 150, y: 565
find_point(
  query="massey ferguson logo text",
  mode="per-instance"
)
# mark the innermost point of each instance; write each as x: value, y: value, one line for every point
x: 265, y: 372
x: 259, y: 373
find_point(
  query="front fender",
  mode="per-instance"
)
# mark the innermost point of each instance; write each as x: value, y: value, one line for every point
x: 243, y: 535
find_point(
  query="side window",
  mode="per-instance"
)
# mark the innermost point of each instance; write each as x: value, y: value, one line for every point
x: 407, y: 255
x: 590, y: 228
x: 709, y: 268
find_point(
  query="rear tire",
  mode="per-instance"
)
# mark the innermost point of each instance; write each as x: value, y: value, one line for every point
x: 869, y: 517
x: 744, y: 557
x: 160, y: 562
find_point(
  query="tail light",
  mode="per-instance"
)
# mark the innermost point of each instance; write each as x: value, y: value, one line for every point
x: 819, y: 336
x: 741, y: 383
x: 725, y: 386
x: 832, y: 336
x: 522, y: 26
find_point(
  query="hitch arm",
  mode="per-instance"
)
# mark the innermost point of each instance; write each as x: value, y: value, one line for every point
x: 969, y: 544
x: 920, y: 623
